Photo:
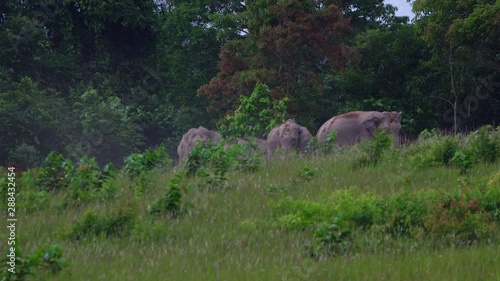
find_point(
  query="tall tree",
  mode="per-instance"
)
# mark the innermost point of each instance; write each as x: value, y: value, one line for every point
x: 464, y: 41
x: 287, y: 45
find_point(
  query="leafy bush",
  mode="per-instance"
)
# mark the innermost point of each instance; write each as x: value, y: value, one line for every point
x: 117, y: 224
x: 46, y: 259
x: 374, y: 149
x: 87, y: 182
x: 458, y: 218
x: 432, y: 150
x: 333, y: 239
x: 27, y: 156
x: 210, y: 162
x: 245, y: 157
x: 256, y: 115
x: 137, y: 163
x: 171, y: 202
x: 458, y: 222
x: 463, y: 160
x: 55, y: 173
x: 484, y: 146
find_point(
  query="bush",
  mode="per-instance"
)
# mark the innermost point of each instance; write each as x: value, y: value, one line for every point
x: 55, y: 173
x: 138, y: 163
x: 432, y: 150
x: 116, y: 224
x: 245, y: 157
x: 331, y: 239
x: 88, y: 181
x: 484, y: 146
x: 46, y: 259
x: 171, y: 202
x: 256, y: 114
x: 374, y: 149
x: 27, y: 156
x: 210, y: 162
x: 458, y: 222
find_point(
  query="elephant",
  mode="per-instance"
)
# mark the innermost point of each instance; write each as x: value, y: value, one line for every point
x: 254, y: 142
x: 194, y: 135
x: 355, y: 126
x: 289, y: 136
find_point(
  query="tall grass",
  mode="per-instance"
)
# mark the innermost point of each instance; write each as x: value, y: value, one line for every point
x: 229, y: 234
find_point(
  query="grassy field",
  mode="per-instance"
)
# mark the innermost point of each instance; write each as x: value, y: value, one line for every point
x: 231, y: 233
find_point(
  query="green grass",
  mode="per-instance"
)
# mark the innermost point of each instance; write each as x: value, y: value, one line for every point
x: 228, y: 234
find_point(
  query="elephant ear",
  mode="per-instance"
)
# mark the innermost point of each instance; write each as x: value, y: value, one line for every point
x: 305, y: 137
x: 373, y: 121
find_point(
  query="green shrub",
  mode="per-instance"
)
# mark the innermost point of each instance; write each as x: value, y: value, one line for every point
x: 49, y: 259
x: 115, y: 224
x: 46, y: 259
x: 55, y: 173
x: 27, y: 156
x: 463, y: 160
x: 444, y: 150
x: 256, y: 115
x: 331, y: 239
x: 171, y: 202
x: 245, y: 157
x: 291, y: 214
x: 484, y: 146
x: 137, y: 163
x: 405, y: 212
x: 211, y: 163
x: 306, y: 174
x: 432, y: 150
x: 374, y: 149
x: 458, y: 222
x: 87, y: 182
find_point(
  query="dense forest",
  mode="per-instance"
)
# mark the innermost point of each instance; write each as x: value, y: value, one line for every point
x: 109, y: 78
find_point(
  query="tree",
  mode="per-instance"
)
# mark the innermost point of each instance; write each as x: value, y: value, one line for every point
x: 463, y: 37
x: 287, y: 46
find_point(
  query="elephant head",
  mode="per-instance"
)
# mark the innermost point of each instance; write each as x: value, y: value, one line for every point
x: 289, y: 136
x: 387, y: 121
x: 358, y: 125
x: 194, y: 135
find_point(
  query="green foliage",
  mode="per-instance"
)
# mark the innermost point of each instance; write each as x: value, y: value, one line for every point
x: 433, y: 151
x: 484, y: 145
x: 211, y: 163
x: 88, y: 181
x: 375, y: 149
x: 108, y: 125
x: 458, y: 222
x: 138, y: 163
x: 333, y: 239
x: 45, y: 259
x: 246, y: 157
x: 463, y: 161
x: 27, y: 156
x: 55, y: 172
x: 412, y: 215
x: 306, y: 174
x: 49, y: 259
x: 256, y: 115
x: 171, y: 202
x: 116, y: 224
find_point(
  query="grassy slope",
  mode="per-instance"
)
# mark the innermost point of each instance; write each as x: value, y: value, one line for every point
x: 226, y: 236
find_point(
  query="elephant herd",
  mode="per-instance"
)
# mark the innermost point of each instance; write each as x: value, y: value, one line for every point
x: 350, y: 128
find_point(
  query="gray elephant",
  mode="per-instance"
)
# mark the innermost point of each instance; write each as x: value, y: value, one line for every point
x: 259, y: 144
x: 289, y: 136
x: 355, y: 126
x: 190, y: 138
